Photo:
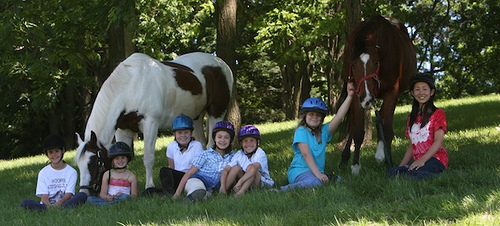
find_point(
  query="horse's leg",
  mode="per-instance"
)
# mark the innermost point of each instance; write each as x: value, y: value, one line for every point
x: 387, y: 115
x: 150, y: 130
x: 358, y: 135
x: 199, y: 133
x: 126, y: 136
x: 211, y: 120
x: 346, y: 153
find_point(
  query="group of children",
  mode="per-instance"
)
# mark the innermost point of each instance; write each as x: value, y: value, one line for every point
x: 199, y: 173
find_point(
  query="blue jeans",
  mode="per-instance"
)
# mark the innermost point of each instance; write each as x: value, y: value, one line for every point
x: 94, y: 200
x: 430, y: 169
x: 304, y: 180
x: 76, y: 200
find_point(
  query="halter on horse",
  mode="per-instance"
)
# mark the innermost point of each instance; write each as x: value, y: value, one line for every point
x: 380, y: 59
x: 145, y: 95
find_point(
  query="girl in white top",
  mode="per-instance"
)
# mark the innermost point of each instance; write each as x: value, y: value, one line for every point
x: 180, y: 154
x: 249, y: 165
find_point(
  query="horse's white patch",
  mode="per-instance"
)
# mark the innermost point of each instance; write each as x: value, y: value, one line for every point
x: 83, y: 166
x: 355, y: 169
x: 366, y: 102
x: 380, y: 155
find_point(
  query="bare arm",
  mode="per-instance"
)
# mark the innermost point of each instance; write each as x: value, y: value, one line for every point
x: 171, y: 163
x: 104, y: 187
x: 433, y: 149
x: 337, y: 119
x: 183, y: 182
x: 45, y: 199
x: 65, y: 198
x: 133, y: 185
x: 223, y: 180
x: 306, y: 153
x: 408, y: 156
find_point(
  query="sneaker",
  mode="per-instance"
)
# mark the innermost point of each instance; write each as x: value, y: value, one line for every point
x: 195, y: 196
x: 333, y: 178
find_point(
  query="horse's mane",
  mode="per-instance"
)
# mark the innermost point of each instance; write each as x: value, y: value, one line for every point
x: 108, y: 104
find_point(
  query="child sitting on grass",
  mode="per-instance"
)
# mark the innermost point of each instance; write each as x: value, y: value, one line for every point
x: 56, y: 181
x: 248, y: 164
x: 204, y: 174
x: 119, y: 183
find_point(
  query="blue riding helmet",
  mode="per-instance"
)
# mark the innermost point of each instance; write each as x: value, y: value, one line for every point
x: 314, y: 104
x: 182, y: 122
x: 223, y: 126
x: 248, y: 131
x: 120, y: 148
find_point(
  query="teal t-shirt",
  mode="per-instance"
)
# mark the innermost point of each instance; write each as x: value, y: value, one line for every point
x: 303, y: 135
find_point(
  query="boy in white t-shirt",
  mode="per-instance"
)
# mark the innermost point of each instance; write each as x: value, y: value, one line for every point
x: 56, y: 181
x: 249, y: 165
x: 180, y: 154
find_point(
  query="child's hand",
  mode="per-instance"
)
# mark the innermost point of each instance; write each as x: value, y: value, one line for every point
x: 350, y: 89
x: 176, y: 196
x: 222, y: 191
x: 416, y: 164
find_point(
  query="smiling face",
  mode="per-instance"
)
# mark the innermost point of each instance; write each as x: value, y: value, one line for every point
x: 249, y: 144
x: 314, y: 119
x: 222, y: 139
x: 183, y: 136
x: 422, y: 92
x: 120, y: 161
x: 55, y: 155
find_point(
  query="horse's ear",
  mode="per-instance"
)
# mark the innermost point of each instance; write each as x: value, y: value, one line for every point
x: 78, y: 139
x: 93, y: 137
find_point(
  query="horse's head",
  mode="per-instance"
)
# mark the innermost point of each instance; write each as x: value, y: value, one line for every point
x: 364, y: 72
x: 92, y: 160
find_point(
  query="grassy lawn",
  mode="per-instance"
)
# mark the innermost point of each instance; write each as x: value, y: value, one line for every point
x: 468, y: 193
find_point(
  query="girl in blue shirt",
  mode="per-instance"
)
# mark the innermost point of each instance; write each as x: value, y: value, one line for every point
x: 309, y: 143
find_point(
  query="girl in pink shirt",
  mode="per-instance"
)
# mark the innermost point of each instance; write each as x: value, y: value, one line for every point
x: 119, y: 183
x: 426, y: 125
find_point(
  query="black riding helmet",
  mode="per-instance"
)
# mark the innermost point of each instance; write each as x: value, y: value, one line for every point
x: 120, y: 148
x: 422, y: 77
x: 53, y: 141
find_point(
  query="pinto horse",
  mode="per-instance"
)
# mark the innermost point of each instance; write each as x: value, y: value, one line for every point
x: 144, y: 95
x: 380, y: 59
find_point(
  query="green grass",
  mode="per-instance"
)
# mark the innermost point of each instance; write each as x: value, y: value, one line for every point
x: 468, y: 193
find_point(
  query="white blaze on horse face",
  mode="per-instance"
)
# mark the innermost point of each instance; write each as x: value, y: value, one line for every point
x: 380, y: 155
x: 366, y: 101
x: 83, y: 166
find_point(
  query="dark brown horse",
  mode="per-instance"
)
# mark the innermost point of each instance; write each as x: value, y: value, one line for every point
x: 379, y: 60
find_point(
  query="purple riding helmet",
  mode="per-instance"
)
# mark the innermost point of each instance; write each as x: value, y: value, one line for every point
x: 248, y: 131
x: 223, y: 126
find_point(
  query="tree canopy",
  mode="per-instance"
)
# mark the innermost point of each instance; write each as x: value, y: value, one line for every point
x: 55, y: 54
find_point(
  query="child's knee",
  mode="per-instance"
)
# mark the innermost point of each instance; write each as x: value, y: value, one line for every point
x: 194, y: 184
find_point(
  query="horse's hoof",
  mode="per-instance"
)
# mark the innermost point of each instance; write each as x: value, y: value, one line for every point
x: 355, y: 169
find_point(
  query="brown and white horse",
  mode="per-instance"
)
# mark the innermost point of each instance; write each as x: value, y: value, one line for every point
x: 145, y: 95
x: 380, y: 59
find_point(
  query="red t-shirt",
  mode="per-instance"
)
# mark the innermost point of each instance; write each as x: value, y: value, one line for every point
x: 422, y: 138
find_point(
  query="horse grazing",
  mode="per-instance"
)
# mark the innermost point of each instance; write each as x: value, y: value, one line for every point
x: 144, y: 95
x: 380, y: 59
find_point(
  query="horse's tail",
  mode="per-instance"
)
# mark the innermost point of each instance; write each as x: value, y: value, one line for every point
x: 343, y: 128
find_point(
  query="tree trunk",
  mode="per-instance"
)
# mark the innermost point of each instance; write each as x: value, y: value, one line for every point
x: 225, y: 11
x: 353, y: 17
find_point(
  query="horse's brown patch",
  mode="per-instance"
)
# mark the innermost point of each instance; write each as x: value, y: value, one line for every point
x: 129, y: 121
x: 218, y: 93
x: 185, y: 78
